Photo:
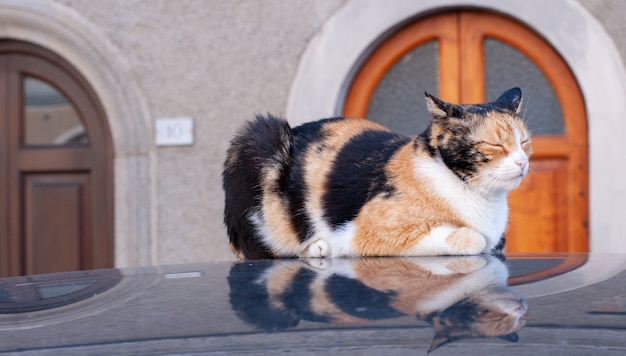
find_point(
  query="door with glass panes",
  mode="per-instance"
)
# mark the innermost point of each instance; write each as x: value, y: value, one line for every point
x: 471, y: 57
x: 55, y: 166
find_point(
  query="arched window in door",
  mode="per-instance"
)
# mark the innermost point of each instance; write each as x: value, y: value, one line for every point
x: 470, y: 57
x: 56, y: 211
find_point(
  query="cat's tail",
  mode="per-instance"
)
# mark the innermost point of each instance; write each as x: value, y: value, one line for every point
x: 263, y: 145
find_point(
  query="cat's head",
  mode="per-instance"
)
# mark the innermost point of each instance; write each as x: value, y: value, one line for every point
x: 498, y: 314
x: 486, y: 145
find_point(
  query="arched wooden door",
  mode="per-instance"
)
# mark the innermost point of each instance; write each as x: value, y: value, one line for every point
x: 56, y: 211
x: 470, y: 57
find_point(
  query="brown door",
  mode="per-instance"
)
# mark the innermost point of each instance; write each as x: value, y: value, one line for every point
x: 55, y: 166
x: 470, y: 57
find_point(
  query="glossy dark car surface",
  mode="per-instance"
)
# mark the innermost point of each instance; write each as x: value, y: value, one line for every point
x: 570, y: 304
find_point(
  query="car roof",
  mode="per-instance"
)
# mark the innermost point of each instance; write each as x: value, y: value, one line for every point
x: 366, y: 305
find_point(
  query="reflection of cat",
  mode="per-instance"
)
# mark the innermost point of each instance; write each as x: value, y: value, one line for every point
x: 461, y: 297
x: 350, y: 187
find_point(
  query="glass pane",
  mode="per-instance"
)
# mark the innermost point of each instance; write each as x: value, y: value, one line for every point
x: 49, y: 118
x: 398, y: 101
x: 505, y: 68
x: 61, y: 289
x: 5, y: 296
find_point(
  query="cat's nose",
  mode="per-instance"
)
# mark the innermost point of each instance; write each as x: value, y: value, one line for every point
x: 522, y: 164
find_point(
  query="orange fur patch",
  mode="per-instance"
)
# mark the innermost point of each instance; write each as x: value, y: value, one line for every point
x: 322, y: 304
x: 318, y: 159
x: 465, y: 239
x: 392, y: 226
x: 402, y: 275
x: 279, y: 279
x: 276, y: 215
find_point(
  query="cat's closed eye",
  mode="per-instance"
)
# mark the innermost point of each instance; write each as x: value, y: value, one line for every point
x: 527, y: 145
x: 494, y: 146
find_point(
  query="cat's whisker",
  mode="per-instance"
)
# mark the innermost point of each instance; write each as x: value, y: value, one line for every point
x: 479, y: 176
x: 526, y: 103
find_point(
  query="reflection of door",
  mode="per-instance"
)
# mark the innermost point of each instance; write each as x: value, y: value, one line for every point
x: 27, y: 294
x: 469, y: 57
x: 55, y: 166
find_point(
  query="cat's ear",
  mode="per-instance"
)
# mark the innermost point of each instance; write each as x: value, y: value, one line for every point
x: 513, y: 337
x: 439, y: 109
x: 511, y: 100
x: 438, y: 340
x: 442, y: 337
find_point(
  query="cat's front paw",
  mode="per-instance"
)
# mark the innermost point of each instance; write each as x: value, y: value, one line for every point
x: 466, y: 241
x: 318, y: 263
x: 318, y: 249
x: 466, y: 264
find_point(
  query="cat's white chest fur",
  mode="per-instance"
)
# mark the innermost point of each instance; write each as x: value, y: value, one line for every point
x: 487, y: 214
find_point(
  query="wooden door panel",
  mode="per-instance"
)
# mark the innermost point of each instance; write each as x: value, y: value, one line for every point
x: 57, y: 196
x: 539, y: 219
x: 56, y: 221
x: 569, y: 150
x: 549, y: 212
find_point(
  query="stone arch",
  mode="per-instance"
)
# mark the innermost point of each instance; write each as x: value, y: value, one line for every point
x: 63, y: 31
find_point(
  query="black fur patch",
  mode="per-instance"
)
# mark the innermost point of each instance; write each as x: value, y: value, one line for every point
x: 462, y: 314
x: 507, y: 103
x: 298, y: 296
x: 356, y: 299
x: 254, y: 147
x: 424, y: 139
x: 459, y: 154
x: 358, y: 174
x: 305, y: 137
x: 251, y: 301
x: 501, y: 244
x: 482, y: 110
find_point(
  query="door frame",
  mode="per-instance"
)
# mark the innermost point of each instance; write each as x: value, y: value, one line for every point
x: 460, y: 35
x: 97, y: 242
x: 349, y: 36
x: 103, y: 64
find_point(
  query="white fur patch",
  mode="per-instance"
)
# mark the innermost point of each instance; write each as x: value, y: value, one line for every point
x: 339, y: 241
x: 318, y: 249
x: 493, y: 274
x: 514, y: 167
x: 486, y: 214
x: 268, y: 239
x: 434, y: 243
x: 446, y: 265
x: 339, y: 267
x: 256, y: 219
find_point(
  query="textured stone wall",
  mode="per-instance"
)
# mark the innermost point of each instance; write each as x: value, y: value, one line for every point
x: 611, y: 13
x: 220, y: 62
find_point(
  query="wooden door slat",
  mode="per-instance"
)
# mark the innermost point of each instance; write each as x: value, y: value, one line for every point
x: 61, y: 159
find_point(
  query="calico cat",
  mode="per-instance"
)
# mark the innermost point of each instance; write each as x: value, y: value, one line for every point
x: 350, y: 187
x: 460, y: 297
